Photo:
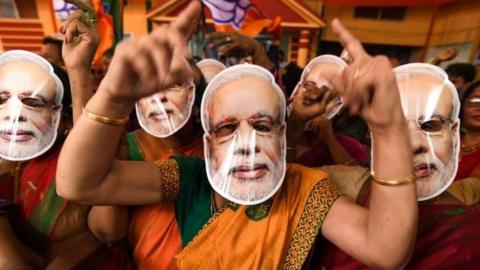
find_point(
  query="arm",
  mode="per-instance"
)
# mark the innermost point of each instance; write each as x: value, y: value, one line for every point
x: 323, y: 127
x: 109, y: 224
x: 445, y: 55
x: 139, y: 68
x: 339, y: 154
x: 311, y: 104
x: 13, y: 254
x: 78, y: 50
x: 383, y: 235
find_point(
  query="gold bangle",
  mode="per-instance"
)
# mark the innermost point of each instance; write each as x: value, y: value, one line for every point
x: 104, y: 119
x: 393, y: 182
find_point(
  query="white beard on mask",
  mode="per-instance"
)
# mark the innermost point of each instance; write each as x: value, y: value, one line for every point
x: 39, y: 143
x: 429, y: 188
x: 249, y: 189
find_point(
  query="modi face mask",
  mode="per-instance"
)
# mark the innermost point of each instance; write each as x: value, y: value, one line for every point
x: 319, y: 73
x: 167, y: 111
x: 30, y: 105
x: 431, y: 106
x: 243, y: 116
x: 210, y: 68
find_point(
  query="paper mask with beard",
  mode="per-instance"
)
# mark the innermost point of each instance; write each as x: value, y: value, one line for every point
x: 167, y: 111
x: 243, y: 116
x: 431, y: 106
x: 30, y: 105
x: 319, y: 72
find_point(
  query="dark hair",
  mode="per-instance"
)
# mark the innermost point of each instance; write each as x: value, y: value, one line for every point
x: 292, y: 76
x: 464, y: 70
x: 467, y: 93
x: 67, y: 95
x: 51, y: 40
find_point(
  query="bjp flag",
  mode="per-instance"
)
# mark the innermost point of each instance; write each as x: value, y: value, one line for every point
x: 241, y: 16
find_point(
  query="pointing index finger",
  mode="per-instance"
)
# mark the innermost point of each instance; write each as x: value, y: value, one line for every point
x: 348, y: 41
x: 185, y: 18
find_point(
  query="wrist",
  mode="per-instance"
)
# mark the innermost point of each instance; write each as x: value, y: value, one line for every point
x: 113, y: 106
x: 77, y: 66
x: 79, y: 73
x: 394, y: 131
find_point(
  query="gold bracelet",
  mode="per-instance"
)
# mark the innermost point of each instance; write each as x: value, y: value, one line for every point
x: 104, y: 119
x: 393, y: 182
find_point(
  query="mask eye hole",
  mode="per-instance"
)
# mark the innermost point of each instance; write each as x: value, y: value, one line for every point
x: 33, y: 102
x: 4, y: 98
x: 225, y: 129
x: 262, y: 126
x: 432, y: 125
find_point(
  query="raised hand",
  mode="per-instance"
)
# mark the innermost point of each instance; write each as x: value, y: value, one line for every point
x: 141, y: 66
x: 81, y: 37
x: 368, y: 84
x: 447, y: 54
x: 312, y: 102
x: 229, y: 41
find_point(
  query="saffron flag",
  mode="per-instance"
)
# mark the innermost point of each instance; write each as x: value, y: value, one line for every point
x: 105, y: 31
x: 240, y: 15
x: 115, y: 9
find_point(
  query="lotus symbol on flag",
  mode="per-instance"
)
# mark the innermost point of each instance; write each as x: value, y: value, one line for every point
x: 231, y: 12
x: 62, y: 9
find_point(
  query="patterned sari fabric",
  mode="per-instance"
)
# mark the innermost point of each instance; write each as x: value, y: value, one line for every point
x: 45, y: 217
x: 278, y: 233
x: 447, y: 237
x: 153, y: 231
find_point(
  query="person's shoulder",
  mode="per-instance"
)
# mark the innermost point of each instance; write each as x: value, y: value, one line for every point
x: 348, y: 180
x: 304, y: 177
x: 295, y: 168
x: 309, y: 186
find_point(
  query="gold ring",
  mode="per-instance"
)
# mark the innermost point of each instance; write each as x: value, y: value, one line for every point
x: 91, y: 22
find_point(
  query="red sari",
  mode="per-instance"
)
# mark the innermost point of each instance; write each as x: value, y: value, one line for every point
x: 448, y: 237
x: 469, y: 165
x: 46, y: 218
x: 319, y: 155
